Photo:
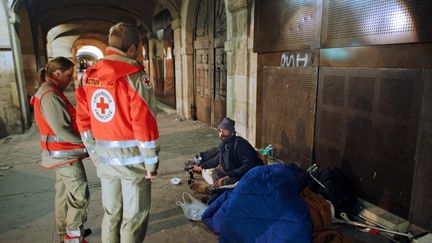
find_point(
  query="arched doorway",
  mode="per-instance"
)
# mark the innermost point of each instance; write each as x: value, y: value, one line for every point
x: 210, y: 76
x: 85, y: 57
x: 162, y: 59
x: 87, y: 50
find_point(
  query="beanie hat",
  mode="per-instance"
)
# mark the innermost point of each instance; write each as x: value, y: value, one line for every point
x: 227, y: 124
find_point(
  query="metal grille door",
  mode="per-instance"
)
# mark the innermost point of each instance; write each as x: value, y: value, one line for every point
x: 288, y: 111
x: 367, y: 122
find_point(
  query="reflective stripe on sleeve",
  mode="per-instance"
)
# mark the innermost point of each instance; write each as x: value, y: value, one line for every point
x: 64, y: 153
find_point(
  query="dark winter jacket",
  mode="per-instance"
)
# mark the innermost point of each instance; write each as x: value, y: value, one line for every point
x: 235, y: 155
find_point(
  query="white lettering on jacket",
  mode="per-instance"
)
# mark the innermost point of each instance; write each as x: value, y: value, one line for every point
x: 102, y: 105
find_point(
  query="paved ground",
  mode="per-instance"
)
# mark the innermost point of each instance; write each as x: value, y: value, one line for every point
x: 27, y: 190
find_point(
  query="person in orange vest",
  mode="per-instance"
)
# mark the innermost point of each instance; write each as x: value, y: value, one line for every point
x: 62, y: 149
x: 116, y: 116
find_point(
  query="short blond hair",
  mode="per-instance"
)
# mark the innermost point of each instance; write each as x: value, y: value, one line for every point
x: 123, y: 35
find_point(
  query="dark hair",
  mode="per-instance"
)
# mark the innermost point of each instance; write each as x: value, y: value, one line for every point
x: 123, y: 35
x: 58, y: 63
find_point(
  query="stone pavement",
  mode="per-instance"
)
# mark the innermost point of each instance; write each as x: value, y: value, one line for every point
x: 27, y: 190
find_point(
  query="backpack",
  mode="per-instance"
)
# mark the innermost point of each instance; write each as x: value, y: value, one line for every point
x: 339, y: 189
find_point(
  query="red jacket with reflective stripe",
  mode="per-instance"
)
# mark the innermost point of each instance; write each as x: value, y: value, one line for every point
x: 46, y: 131
x: 109, y: 107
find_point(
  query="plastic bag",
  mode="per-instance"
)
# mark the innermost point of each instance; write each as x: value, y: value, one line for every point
x: 192, y: 208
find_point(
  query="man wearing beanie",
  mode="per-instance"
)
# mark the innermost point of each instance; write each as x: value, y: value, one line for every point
x: 232, y: 160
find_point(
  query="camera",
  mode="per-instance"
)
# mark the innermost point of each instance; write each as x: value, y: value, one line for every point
x: 196, y: 160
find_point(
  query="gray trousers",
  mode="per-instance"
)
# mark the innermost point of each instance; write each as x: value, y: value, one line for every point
x: 126, y: 199
x: 71, y: 198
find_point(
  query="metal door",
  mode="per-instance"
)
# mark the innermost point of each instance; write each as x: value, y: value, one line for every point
x: 367, y: 121
x: 288, y: 111
x: 210, y: 62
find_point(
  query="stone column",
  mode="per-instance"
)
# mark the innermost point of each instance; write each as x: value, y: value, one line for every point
x: 14, y: 110
x: 41, y: 48
x: 187, y: 86
x: 151, y: 71
x: 28, y: 52
x: 252, y: 77
x: 241, y: 64
x: 186, y: 56
x: 176, y: 27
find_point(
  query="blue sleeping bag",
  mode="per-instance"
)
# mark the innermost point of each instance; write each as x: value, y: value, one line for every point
x: 265, y: 206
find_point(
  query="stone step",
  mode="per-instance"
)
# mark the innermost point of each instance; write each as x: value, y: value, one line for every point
x: 381, y: 217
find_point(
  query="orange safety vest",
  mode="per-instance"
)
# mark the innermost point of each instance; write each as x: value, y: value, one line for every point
x: 113, y: 112
x: 54, y: 146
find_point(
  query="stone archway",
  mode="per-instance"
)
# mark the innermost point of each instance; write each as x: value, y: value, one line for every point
x: 87, y: 40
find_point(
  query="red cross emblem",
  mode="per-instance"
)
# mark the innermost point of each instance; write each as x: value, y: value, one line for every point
x: 147, y: 82
x: 102, y: 105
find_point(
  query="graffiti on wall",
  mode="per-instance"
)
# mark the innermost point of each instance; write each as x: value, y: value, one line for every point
x: 295, y: 59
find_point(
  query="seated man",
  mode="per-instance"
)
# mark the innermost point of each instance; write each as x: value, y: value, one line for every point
x: 231, y: 161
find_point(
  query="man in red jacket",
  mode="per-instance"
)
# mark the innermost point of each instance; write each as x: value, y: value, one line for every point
x: 116, y: 119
